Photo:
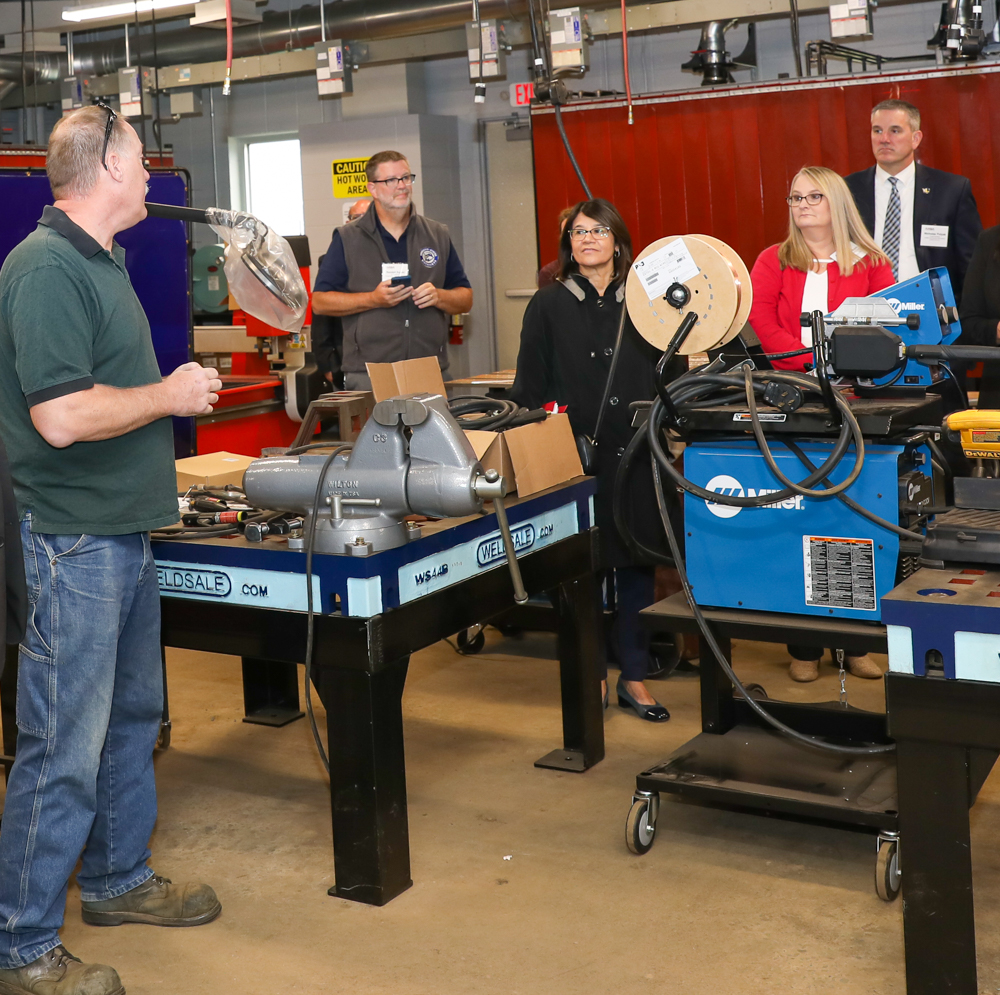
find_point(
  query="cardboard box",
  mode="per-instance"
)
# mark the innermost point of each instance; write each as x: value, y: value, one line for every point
x: 532, y: 457
x: 409, y: 376
x: 491, y: 450
x: 543, y: 454
x: 211, y: 470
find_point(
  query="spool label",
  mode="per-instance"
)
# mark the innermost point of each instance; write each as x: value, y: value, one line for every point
x: 672, y: 263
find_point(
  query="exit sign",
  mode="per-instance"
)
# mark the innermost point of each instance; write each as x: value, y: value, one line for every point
x: 521, y: 94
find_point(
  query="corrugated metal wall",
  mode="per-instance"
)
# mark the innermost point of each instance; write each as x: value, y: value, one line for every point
x: 721, y: 163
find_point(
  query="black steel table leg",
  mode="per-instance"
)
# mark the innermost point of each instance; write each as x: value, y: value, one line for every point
x: 371, y: 852
x: 718, y: 708
x: 581, y: 645
x: 270, y: 692
x: 936, y: 868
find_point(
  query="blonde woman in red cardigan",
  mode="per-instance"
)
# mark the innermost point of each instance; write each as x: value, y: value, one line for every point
x: 827, y: 257
x: 808, y: 270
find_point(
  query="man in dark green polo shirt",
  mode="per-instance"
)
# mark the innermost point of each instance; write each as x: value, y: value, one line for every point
x: 85, y: 415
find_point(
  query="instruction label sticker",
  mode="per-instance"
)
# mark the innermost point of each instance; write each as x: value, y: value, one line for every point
x: 839, y: 573
x: 672, y: 263
x: 349, y: 179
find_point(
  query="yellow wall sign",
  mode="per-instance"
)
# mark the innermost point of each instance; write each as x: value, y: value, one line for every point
x: 349, y: 179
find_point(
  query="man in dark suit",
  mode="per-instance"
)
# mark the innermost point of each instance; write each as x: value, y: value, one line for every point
x: 920, y: 217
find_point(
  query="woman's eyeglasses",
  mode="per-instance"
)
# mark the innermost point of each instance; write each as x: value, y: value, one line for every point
x: 810, y: 198
x: 579, y: 234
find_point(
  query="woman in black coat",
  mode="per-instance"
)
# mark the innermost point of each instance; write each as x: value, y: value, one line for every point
x: 567, y: 341
x: 980, y: 310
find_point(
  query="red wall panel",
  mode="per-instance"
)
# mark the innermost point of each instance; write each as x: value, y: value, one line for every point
x: 720, y: 162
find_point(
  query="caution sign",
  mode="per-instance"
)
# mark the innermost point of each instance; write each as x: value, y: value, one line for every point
x: 349, y: 179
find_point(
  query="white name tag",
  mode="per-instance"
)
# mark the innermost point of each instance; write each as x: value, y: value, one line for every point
x: 390, y: 271
x: 934, y: 236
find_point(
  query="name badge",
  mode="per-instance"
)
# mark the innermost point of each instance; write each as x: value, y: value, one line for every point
x: 390, y: 271
x: 934, y: 236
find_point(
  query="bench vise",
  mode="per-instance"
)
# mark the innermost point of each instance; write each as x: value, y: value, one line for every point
x: 411, y: 458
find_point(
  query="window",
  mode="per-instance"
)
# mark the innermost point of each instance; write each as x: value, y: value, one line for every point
x: 273, y: 178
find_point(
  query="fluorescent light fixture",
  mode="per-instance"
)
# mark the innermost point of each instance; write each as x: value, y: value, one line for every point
x: 127, y: 9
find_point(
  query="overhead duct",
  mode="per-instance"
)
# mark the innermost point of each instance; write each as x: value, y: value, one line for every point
x: 299, y: 28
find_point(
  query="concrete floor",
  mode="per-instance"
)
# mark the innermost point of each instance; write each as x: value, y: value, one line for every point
x: 522, y: 881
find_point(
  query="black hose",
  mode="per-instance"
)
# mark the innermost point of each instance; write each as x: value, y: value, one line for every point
x: 852, y: 504
x: 176, y: 213
x: 310, y: 610
x: 655, y: 421
x: 712, y: 643
x: 805, y: 491
x: 569, y: 150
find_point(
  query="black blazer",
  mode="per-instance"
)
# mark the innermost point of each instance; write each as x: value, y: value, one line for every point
x: 939, y: 198
x: 567, y: 340
x: 980, y: 311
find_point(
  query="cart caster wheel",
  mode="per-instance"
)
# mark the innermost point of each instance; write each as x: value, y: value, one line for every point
x: 163, y: 739
x: 470, y: 645
x: 640, y: 830
x: 887, y: 870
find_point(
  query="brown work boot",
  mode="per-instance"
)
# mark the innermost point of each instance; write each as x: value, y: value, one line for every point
x: 157, y: 902
x: 803, y: 671
x: 58, y: 972
x: 864, y: 666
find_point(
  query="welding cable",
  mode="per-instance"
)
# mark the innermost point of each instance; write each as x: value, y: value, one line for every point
x: 628, y: 82
x: 655, y: 422
x: 765, y: 449
x: 852, y: 504
x: 493, y: 413
x: 788, y: 355
x: 713, y: 645
x: 227, y: 85
x: 310, y: 608
x: 958, y: 383
x: 298, y: 450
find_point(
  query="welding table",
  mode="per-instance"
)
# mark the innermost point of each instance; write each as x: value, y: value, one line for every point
x: 947, y: 735
x: 360, y: 659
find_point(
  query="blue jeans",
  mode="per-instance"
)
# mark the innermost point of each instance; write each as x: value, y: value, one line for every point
x: 89, y: 703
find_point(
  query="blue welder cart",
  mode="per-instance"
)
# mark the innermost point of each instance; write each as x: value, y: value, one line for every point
x: 799, y: 570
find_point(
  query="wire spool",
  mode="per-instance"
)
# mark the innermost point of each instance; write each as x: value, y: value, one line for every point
x: 720, y: 293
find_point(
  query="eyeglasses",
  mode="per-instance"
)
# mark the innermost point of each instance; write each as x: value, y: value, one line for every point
x: 110, y: 127
x: 579, y: 234
x: 810, y: 198
x: 393, y: 181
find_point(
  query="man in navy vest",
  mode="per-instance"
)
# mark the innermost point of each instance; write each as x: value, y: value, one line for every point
x: 920, y: 217
x: 393, y: 276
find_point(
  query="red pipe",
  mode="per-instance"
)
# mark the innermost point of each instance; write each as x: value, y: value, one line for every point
x: 229, y: 48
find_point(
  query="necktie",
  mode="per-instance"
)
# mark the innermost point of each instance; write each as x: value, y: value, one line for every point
x: 890, y: 231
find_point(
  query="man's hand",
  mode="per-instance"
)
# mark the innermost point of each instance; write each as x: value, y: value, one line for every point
x: 387, y: 295
x: 427, y: 295
x: 192, y: 390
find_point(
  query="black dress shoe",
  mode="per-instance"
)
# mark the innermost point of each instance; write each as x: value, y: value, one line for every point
x: 651, y: 713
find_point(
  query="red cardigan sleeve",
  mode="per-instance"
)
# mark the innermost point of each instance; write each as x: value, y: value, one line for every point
x: 771, y: 307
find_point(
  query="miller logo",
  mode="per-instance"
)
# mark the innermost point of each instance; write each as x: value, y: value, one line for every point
x: 904, y: 307
x: 490, y: 550
x: 731, y: 487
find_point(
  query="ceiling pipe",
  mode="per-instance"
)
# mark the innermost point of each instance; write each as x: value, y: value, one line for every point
x: 277, y: 32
